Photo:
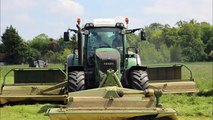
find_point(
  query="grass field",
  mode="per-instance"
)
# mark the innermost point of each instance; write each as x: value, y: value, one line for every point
x: 188, y: 106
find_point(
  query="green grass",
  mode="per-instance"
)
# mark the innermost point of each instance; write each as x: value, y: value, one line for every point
x: 194, y: 106
x: 25, y: 112
x: 203, y: 74
x: 188, y: 106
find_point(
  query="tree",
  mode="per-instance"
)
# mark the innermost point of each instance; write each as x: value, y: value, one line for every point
x: 175, y: 52
x: 16, y: 48
x: 133, y: 39
x: 54, y: 57
x: 165, y: 53
x: 207, y: 37
x: 170, y: 36
x: 149, y: 54
x: 33, y: 54
x: 154, y: 34
x: 156, y: 26
x: 209, y: 48
x: 40, y: 43
x: 53, y: 45
x: 191, y: 42
x: 2, y: 48
x: 68, y: 44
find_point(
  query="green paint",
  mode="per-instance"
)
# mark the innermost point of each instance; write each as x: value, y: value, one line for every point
x: 100, y: 76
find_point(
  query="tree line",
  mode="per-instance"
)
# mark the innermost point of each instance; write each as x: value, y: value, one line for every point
x: 18, y: 51
x: 187, y: 41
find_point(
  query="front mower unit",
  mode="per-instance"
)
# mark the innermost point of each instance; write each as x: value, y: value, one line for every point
x: 111, y: 103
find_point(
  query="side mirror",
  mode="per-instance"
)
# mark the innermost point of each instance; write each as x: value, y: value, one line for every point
x: 142, y: 35
x: 66, y: 36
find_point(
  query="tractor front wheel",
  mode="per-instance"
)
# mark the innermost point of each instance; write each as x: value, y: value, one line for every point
x: 139, y: 79
x: 76, y: 81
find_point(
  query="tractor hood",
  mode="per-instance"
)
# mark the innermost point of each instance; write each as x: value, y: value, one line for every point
x: 107, y: 58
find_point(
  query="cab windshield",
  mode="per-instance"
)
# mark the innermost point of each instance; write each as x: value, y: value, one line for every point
x: 103, y: 38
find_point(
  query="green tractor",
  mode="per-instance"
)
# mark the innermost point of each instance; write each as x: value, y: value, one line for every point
x: 102, y: 48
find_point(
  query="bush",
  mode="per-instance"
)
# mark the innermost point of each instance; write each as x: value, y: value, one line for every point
x: 54, y: 57
x: 149, y: 54
x: 40, y: 43
x: 165, y: 53
x: 175, y: 52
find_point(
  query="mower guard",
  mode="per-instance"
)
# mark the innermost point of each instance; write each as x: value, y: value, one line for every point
x: 169, y: 79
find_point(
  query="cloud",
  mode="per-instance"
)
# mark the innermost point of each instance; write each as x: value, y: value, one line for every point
x: 66, y: 7
x: 14, y: 6
x: 200, y: 10
x: 17, y: 14
x: 136, y: 22
x: 24, y: 18
x: 52, y: 17
x: 14, y: 12
x: 32, y: 17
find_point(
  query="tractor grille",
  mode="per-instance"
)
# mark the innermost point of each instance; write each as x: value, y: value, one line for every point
x: 107, y: 60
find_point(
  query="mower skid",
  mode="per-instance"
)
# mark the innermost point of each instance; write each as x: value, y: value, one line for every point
x: 122, y: 114
x: 36, y: 98
x: 32, y: 92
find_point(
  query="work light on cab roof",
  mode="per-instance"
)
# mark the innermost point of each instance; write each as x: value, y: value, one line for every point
x: 106, y: 23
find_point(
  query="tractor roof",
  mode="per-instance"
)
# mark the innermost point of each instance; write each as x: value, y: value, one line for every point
x: 106, y: 23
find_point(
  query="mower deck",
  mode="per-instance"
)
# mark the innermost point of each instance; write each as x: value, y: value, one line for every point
x: 106, y: 103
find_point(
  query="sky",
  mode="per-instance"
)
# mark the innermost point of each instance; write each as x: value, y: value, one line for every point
x: 53, y: 17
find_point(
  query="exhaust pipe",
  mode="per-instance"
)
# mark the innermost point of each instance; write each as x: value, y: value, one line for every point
x: 80, y: 50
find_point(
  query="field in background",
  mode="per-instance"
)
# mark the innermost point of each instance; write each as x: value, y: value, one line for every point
x: 189, y: 106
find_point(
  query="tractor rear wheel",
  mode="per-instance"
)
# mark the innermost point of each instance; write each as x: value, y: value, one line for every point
x: 76, y: 81
x: 140, y: 80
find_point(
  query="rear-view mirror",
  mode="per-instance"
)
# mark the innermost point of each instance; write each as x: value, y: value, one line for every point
x: 142, y: 35
x: 66, y: 36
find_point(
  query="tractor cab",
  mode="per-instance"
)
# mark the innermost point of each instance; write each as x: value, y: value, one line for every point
x: 101, y: 38
x: 102, y: 33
